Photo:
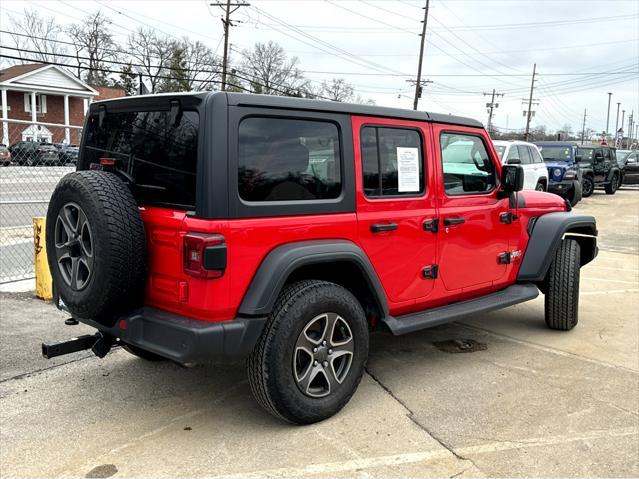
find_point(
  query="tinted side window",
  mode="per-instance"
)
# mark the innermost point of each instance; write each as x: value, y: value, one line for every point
x: 524, y: 154
x: 392, y: 161
x: 536, y: 156
x: 513, y: 153
x: 283, y: 159
x: 158, y: 150
x: 467, y: 167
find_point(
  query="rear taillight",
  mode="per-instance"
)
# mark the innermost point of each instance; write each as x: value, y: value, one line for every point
x: 204, y: 255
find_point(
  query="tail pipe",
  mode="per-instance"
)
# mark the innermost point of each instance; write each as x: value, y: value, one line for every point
x: 99, y: 343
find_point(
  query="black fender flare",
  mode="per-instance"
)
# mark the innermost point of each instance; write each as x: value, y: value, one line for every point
x: 283, y: 260
x: 546, y: 233
x: 611, y: 173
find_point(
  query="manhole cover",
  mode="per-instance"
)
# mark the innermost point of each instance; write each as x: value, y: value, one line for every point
x: 460, y: 346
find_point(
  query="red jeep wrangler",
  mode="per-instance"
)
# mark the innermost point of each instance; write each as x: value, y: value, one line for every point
x: 212, y: 225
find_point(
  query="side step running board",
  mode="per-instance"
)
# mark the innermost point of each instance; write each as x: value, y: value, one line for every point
x: 517, y: 293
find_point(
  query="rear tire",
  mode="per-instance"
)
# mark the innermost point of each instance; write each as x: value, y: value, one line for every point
x: 611, y: 187
x: 311, y: 356
x: 561, y: 303
x: 540, y: 186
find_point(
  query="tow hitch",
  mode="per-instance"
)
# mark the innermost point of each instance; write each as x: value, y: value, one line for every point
x: 99, y: 343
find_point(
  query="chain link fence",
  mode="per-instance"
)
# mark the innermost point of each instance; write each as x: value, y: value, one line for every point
x: 33, y: 157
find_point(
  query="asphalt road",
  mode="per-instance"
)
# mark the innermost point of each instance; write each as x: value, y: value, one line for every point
x: 533, y: 402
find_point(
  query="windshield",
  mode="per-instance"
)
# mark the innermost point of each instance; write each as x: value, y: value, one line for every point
x: 556, y: 153
x: 500, y: 151
x: 586, y: 153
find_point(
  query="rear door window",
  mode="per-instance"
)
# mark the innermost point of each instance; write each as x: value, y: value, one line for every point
x: 392, y: 161
x: 285, y: 159
x: 156, y: 149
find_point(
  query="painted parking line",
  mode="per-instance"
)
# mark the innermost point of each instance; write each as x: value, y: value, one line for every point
x: 610, y: 291
x: 415, y: 457
x: 611, y: 280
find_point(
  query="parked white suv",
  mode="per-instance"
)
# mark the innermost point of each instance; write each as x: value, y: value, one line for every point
x: 527, y: 155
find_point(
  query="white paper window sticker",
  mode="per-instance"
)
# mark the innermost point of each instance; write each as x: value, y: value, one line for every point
x: 407, y: 169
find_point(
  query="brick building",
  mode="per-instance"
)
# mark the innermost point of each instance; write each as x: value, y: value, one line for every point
x: 60, y: 100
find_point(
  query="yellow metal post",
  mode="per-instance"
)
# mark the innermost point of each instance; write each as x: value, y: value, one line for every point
x: 43, y: 275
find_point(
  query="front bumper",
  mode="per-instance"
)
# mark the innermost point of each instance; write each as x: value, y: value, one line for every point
x: 185, y: 340
x: 560, y: 187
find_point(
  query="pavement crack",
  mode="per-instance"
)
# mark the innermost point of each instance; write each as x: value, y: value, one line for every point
x: 41, y: 370
x: 413, y: 418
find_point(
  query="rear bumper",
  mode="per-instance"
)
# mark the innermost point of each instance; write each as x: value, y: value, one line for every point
x: 185, y: 340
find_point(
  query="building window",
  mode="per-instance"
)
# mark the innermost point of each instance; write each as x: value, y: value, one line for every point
x: 41, y: 103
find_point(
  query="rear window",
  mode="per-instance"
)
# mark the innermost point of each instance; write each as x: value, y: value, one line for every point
x: 155, y: 148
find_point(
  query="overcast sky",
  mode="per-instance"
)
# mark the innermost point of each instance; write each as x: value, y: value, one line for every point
x: 472, y: 46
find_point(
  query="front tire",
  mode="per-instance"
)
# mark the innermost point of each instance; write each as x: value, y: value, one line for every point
x: 587, y: 186
x: 312, y: 352
x: 561, y: 303
x: 611, y: 187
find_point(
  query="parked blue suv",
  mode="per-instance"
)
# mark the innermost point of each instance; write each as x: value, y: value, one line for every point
x: 565, y: 171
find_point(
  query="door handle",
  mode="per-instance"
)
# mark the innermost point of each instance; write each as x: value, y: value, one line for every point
x: 457, y: 220
x: 381, y: 227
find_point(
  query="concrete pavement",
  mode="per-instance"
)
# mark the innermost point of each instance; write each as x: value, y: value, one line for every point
x: 534, y: 402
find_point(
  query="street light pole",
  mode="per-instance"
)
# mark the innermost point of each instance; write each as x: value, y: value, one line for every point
x: 608, y: 116
x: 617, y: 122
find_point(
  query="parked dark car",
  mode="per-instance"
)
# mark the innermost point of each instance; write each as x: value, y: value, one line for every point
x: 631, y: 168
x: 68, y: 153
x: 34, y: 153
x: 5, y: 155
x: 565, y: 174
x: 603, y: 170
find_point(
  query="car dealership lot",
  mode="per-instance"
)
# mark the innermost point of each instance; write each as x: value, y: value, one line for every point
x: 527, y: 401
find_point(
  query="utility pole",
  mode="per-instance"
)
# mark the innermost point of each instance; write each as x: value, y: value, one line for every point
x: 226, y: 21
x: 608, y: 116
x: 418, y: 83
x: 583, y: 128
x: 530, y: 99
x: 630, y: 127
x: 617, y: 122
x: 490, y: 108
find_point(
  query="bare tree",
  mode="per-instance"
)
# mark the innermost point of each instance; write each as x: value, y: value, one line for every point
x: 39, y: 34
x: 337, y: 90
x: 151, y: 53
x: 94, y: 45
x: 203, y: 68
x: 270, y: 72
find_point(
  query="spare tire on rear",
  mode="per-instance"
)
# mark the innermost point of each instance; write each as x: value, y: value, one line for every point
x: 96, y: 245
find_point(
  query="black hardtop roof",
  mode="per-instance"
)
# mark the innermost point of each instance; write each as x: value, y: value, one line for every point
x: 283, y: 102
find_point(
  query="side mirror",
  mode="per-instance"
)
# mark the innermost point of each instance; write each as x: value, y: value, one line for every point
x: 578, y: 158
x: 514, y: 161
x: 512, y: 178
